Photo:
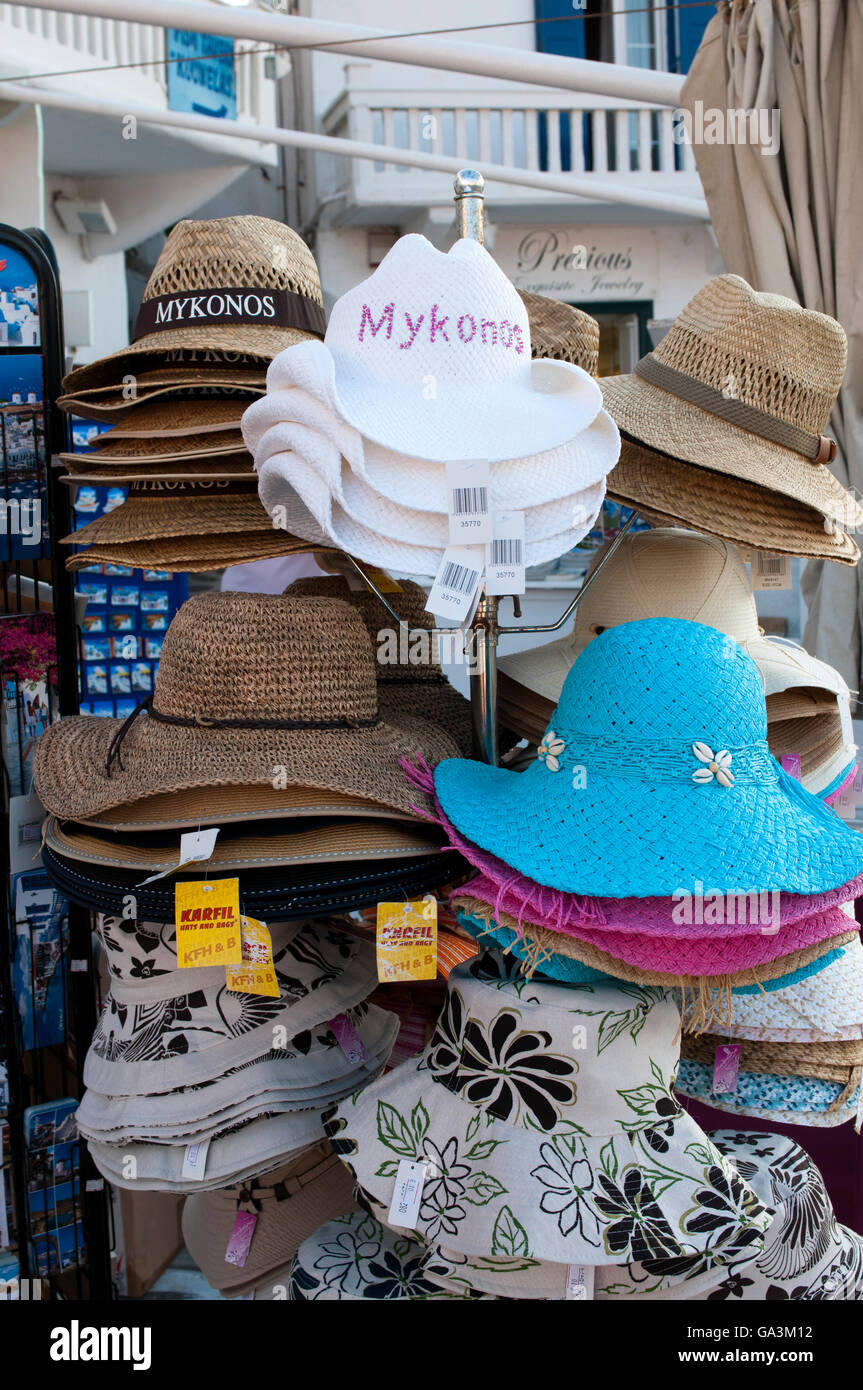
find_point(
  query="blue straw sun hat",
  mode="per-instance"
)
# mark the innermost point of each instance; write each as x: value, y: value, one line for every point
x: 654, y: 777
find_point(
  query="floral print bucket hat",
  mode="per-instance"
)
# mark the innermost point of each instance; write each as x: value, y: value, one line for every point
x: 546, y: 1121
x: 655, y: 777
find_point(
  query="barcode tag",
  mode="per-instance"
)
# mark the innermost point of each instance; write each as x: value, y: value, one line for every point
x: 195, y: 1161
x: 579, y: 1282
x: 726, y: 1064
x: 457, y: 582
x: 504, y: 555
x: 770, y: 571
x: 195, y: 847
x: 405, y: 1205
x: 468, y: 490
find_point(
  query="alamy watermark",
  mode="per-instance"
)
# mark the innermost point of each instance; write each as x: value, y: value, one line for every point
x: 714, y: 908
x: 711, y: 125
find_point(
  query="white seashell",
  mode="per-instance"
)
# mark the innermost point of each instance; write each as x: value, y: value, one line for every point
x: 725, y: 778
x: 552, y: 763
x: 556, y: 745
x: 702, y: 774
x: 724, y: 758
x: 702, y: 752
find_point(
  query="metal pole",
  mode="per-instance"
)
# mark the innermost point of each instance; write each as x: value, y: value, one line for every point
x: 273, y: 25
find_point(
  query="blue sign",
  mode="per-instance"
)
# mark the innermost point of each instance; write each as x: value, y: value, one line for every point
x: 201, y: 74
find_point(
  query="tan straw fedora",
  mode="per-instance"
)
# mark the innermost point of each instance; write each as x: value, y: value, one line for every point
x: 667, y: 491
x: 244, y: 284
x: 199, y: 806
x: 88, y: 468
x: 175, y: 419
x: 743, y: 383
x: 251, y: 689
x: 194, y: 554
x: 118, y: 399
x: 156, y: 510
x: 561, y: 332
x: 108, y: 374
x: 147, y: 452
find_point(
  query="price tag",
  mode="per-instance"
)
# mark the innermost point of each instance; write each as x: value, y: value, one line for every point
x: 78, y: 967
x: 468, y: 490
x: 256, y: 974
x: 770, y: 571
x: 195, y: 847
x: 456, y: 585
x: 579, y: 1282
x: 504, y: 556
x: 726, y: 1065
x: 384, y: 581
x: 792, y: 764
x: 195, y: 1161
x: 407, y: 941
x: 240, y: 1239
x: 348, y: 1039
x: 405, y: 1205
x: 94, y: 1185
x: 207, y: 916
x: 847, y: 804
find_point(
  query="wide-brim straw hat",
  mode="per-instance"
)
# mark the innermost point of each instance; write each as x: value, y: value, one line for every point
x: 192, y: 554
x: 743, y: 383
x: 243, y: 284
x: 677, y: 738
x: 199, y: 806
x: 404, y: 686
x: 289, y: 1204
x: 561, y: 332
x: 175, y: 419
x: 117, y: 400
x: 534, y: 1145
x: 668, y: 492
x: 154, y: 451
x: 87, y: 468
x: 244, y: 1151
x: 781, y: 1099
x: 299, y: 842
x: 311, y: 1070
x: 106, y: 374
x: 153, y: 511
x: 250, y: 688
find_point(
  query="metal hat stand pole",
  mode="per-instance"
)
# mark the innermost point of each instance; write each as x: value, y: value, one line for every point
x: 484, y: 630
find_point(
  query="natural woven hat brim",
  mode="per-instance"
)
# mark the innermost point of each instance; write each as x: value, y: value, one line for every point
x: 816, y: 740
x: 146, y: 451
x: 710, y: 962
x: 326, y: 843
x: 253, y: 1149
x: 223, y: 805
x: 87, y: 469
x: 676, y: 427
x: 562, y: 332
x: 109, y: 409
x: 671, y: 491
x: 157, y: 517
x: 799, y: 703
x: 696, y: 1081
x: 72, y: 781
x: 317, y: 1188
x: 826, y: 1061
x: 177, y: 418
x: 106, y: 374
x: 826, y: 1003
x: 190, y: 554
x: 522, y: 709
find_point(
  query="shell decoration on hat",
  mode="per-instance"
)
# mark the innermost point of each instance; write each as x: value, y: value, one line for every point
x: 718, y: 765
x: 550, y: 750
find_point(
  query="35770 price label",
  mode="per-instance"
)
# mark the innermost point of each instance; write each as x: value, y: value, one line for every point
x: 407, y: 941
x: 207, y: 916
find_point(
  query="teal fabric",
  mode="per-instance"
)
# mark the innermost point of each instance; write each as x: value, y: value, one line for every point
x: 561, y: 968
x: 612, y: 810
x: 757, y: 1092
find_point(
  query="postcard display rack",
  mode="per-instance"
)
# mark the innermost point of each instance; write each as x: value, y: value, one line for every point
x: 54, y: 1214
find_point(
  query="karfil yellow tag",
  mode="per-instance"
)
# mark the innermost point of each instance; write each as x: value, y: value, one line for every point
x: 406, y: 941
x: 257, y: 974
x: 207, y: 915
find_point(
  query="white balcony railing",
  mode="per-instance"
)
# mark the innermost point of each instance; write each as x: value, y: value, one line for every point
x: 529, y: 128
x: 137, y: 49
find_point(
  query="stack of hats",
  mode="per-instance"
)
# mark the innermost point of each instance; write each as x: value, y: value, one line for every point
x: 790, y: 1052
x: 428, y: 362
x: 192, y: 1084
x: 265, y: 722
x: 224, y: 298
x: 722, y: 425
x: 669, y: 573
x: 654, y: 837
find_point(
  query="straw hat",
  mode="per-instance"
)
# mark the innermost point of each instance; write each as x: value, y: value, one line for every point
x: 250, y: 688
x: 668, y: 492
x: 226, y: 805
x: 561, y: 332
x: 839, y: 1060
x: 821, y: 1007
x: 188, y: 554
x: 793, y: 1100
x: 232, y: 284
x: 288, y: 1204
x: 118, y: 400
x: 177, y: 418
x: 419, y: 686
x: 673, y: 750
x: 743, y: 384
x: 156, y: 450
x: 534, y: 1145
x: 88, y: 468
x: 214, y: 507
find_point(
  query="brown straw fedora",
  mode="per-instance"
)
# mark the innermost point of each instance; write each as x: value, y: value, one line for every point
x: 147, y: 452
x: 244, y: 284
x: 87, y: 468
x: 562, y: 332
x: 107, y: 374
x: 668, y: 492
x: 407, y: 686
x: 193, y: 554
x: 199, y: 806
x: 251, y: 689
x: 156, y: 510
x: 177, y: 418
x: 743, y: 383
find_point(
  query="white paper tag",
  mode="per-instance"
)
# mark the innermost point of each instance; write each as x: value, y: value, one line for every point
x: 770, y: 571
x: 195, y: 846
x: 405, y: 1205
x: 504, y: 556
x: 457, y: 582
x: 94, y: 1185
x: 579, y: 1282
x: 78, y: 967
x: 195, y: 1161
x: 468, y: 494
